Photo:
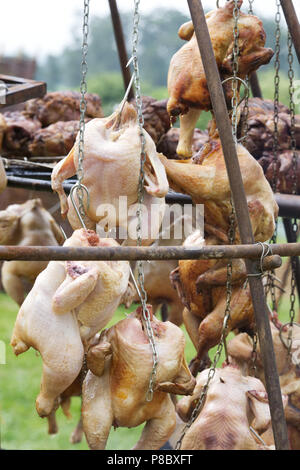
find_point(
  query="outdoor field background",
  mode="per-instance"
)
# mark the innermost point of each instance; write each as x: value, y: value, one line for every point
x: 21, y: 427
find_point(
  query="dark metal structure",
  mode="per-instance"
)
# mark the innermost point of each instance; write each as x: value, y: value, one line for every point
x: 248, y: 250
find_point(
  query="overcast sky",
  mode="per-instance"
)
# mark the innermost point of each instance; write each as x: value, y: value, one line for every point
x: 39, y: 27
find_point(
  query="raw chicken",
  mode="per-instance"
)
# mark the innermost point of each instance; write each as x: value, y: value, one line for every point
x: 205, y: 179
x: 114, y: 389
x: 240, y: 353
x: 28, y: 224
x: 233, y: 404
x: 187, y: 84
x: 111, y: 169
x: 201, y: 285
x: 68, y: 304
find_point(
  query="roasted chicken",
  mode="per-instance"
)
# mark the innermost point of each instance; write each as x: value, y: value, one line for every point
x: 201, y: 287
x: 68, y: 304
x: 62, y: 106
x: 204, y: 178
x: 18, y: 133
x: 240, y: 353
x: 111, y: 169
x: 233, y: 403
x: 187, y: 85
x: 28, y: 224
x: 114, y: 390
x: 54, y: 140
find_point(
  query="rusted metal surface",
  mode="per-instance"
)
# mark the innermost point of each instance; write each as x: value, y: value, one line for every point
x: 255, y: 87
x: 293, y: 23
x: 244, y: 224
x: 119, y: 37
x: 21, y: 89
x: 133, y: 253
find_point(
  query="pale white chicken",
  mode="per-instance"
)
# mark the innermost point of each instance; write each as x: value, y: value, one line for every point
x: 111, y: 168
x: 68, y: 304
x: 114, y: 390
x: 28, y: 224
x: 233, y: 403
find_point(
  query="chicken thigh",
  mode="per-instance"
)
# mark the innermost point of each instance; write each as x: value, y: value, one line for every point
x: 205, y: 179
x: 240, y: 350
x: 111, y: 169
x: 187, y: 84
x: 28, y: 224
x: 114, y: 390
x: 68, y: 304
x: 233, y: 403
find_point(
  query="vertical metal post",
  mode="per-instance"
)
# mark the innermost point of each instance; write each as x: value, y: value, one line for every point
x: 255, y: 87
x: 119, y: 36
x: 293, y: 24
x: 244, y: 223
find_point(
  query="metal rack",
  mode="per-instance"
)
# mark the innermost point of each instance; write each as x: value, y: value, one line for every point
x: 248, y: 250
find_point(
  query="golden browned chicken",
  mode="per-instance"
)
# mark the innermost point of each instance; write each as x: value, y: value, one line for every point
x: 114, y: 390
x: 233, y: 404
x: 240, y: 353
x: 62, y: 106
x: 205, y: 179
x: 18, y: 133
x: 111, y: 169
x: 28, y: 224
x: 54, y: 140
x: 68, y: 304
x: 201, y: 286
x: 187, y: 86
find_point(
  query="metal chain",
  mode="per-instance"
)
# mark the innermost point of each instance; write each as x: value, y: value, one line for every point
x: 250, y: 10
x: 254, y: 354
x: 140, y: 270
x: 79, y: 188
x: 294, y: 188
x: 235, y: 67
x: 270, y: 286
x: 231, y: 238
x: 245, y: 112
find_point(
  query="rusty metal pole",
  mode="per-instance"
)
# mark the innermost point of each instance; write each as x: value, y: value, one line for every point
x: 255, y: 86
x: 119, y: 36
x: 293, y: 24
x: 244, y: 223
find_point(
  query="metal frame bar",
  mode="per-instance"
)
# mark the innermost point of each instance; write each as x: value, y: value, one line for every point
x: 293, y: 24
x: 134, y: 253
x: 243, y: 219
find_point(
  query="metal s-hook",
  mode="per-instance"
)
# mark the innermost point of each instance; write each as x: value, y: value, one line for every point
x: 75, y: 188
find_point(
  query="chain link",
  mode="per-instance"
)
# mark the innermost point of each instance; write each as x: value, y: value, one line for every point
x: 140, y: 270
x: 79, y: 188
x: 231, y: 237
x: 292, y: 312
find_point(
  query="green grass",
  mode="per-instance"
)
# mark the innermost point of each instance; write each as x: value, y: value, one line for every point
x: 21, y: 427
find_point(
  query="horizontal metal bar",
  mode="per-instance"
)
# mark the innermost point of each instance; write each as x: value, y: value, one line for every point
x: 289, y: 204
x: 133, y: 253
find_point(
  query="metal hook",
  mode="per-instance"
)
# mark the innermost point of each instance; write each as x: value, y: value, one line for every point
x: 281, y: 331
x: 76, y: 187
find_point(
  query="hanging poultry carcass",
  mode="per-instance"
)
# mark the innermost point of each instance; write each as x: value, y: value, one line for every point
x: 111, y: 169
x: 27, y: 224
x: 201, y: 286
x: 233, y: 403
x: 240, y: 351
x: 187, y: 85
x: 68, y: 304
x: 115, y: 388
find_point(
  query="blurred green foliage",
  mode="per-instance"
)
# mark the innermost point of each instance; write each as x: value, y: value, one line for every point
x: 158, y: 41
